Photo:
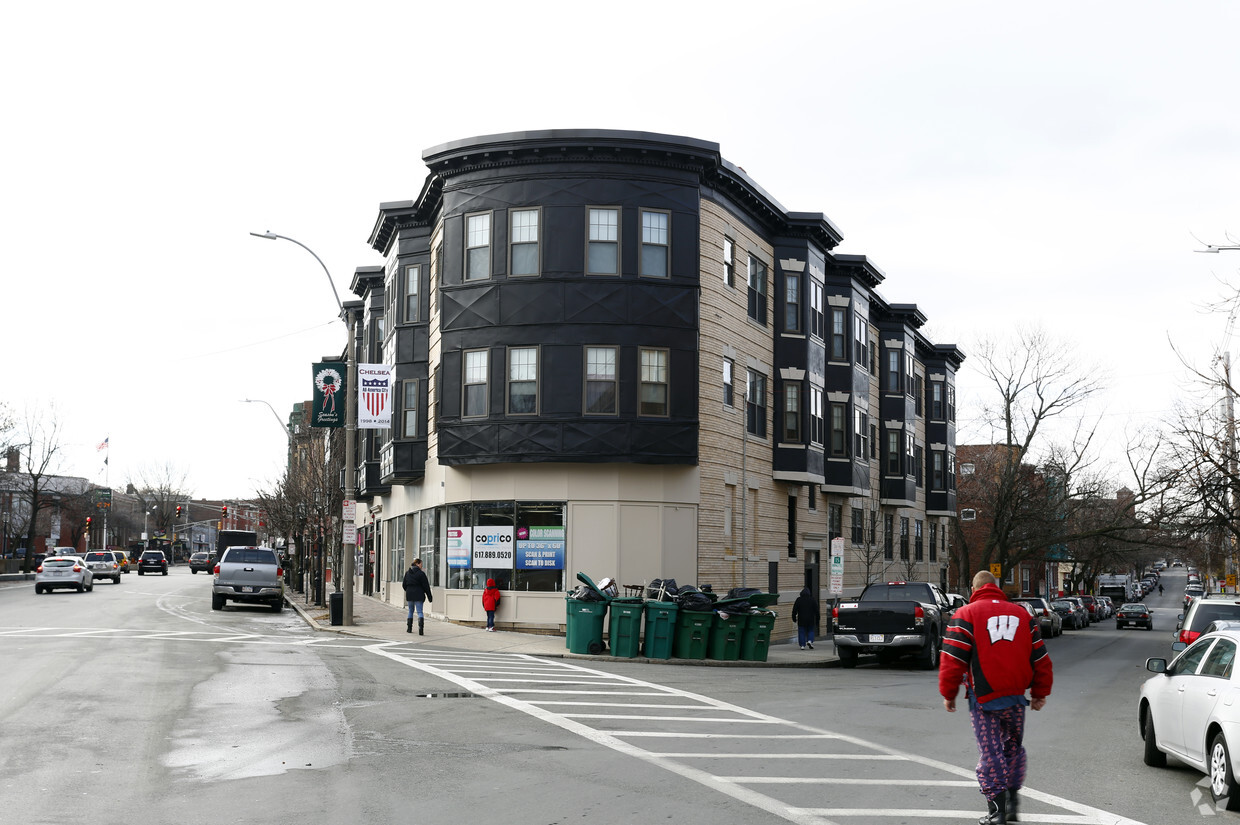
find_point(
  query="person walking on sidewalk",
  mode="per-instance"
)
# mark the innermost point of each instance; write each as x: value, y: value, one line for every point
x: 995, y: 647
x: 417, y: 590
x: 490, y: 603
x: 805, y: 614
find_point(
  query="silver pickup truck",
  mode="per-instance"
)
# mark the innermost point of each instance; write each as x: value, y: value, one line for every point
x: 248, y: 574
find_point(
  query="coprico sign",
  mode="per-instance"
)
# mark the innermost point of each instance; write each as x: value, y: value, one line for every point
x: 493, y: 547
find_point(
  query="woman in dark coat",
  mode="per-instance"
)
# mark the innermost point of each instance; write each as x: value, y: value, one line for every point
x: 417, y: 590
x: 805, y: 614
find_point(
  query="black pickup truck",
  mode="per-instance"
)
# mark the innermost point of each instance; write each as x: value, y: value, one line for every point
x: 893, y: 619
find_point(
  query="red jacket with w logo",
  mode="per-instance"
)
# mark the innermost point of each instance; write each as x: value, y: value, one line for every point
x: 997, y: 646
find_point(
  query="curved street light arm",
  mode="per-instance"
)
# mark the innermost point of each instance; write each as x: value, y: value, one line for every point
x: 271, y: 236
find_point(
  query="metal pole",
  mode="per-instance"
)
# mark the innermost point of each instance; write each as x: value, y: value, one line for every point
x: 350, y: 467
x: 1234, y: 485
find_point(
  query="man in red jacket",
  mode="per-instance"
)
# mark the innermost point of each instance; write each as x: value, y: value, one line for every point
x: 995, y: 648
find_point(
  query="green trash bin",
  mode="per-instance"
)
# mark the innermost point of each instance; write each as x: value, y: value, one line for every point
x: 626, y: 627
x: 692, y: 634
x: 660, y: 629
x: 583, y: 626
x: 725, y: 636
x: 756, y: 639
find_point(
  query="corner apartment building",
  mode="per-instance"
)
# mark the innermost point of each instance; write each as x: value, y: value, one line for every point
x: 616, y: 353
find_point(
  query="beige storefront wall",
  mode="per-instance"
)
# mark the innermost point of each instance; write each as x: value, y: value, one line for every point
x: 631, y: 522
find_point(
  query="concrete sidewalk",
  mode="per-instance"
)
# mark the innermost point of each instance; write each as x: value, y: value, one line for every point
x: 375, y: 619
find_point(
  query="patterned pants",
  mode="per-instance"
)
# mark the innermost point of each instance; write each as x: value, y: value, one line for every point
x: 1001, y: 754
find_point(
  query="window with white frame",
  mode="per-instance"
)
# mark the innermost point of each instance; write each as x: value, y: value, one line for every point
x: 655, y: 242
x: 892, y: 382
x: 652, y: 394
x: 478, y: 246
x: 968, y: 514
x: 792, y: 302
x: 839, y: 430
x: 817, y: 417
x: 603, y: 241
x: 729, y: 262
x: 792, y: 412
x: 600, y: 383
x: 755, y: 403
x: 839, y: 334
x: 522, y: 380
x: 523, y: 242
x: 817, y: 321
x: 413, y: 277
x: 861, y: 434
x: 861, y: 337
x: 757, y: 290
x: 474, y: 403
x: 409, y: 408
x: 727, y: 382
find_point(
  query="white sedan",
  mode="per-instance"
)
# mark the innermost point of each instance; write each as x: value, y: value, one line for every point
x: 1191, y: 710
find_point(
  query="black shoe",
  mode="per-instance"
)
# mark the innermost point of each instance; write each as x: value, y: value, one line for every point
x: 810, y: 644
x: 1013, y: 804
x: 996, y: 811
x: 420, y: 633
x: 409, y: 626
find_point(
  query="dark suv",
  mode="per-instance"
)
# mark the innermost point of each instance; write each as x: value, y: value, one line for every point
x: 1199, y: 615
x: 204, y: 562
x: 153, y: 561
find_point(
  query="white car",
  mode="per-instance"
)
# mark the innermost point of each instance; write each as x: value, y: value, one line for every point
x: 63, y: 571
x: 1191, y: 710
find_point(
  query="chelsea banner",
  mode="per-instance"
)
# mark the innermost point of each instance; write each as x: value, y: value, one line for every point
x: 329, y: 395
x: 374, y: 396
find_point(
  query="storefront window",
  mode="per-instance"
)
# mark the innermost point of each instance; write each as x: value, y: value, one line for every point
x: 540, y: 547
x: 492, y: 555
x: 519, y: 544
x: 428, y: 546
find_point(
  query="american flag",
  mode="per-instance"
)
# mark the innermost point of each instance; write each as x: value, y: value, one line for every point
x: 103, y: 445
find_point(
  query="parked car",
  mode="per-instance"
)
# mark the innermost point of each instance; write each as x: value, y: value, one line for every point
x: 1082, y: 612
x: 1187, y: 710
x: 1071, y: 614
x: 153, y: 561
x: 1200, y: 613
x: 248, y: 574
x: 64, y: 572
x: 1193, y: 591
x: 1134, y: 613
x: 204, y: 562
x: 103, y: 565
x: 1110, y: 606
x: 1092, y: 606
x: 1050, y: 621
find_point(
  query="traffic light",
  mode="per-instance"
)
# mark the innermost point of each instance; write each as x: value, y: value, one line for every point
x: 178, y: 511
x: 88, y: 524
x: 224, y: 511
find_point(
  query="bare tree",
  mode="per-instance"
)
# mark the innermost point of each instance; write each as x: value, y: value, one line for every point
x: 1024, y: 483
x: 160, y: 489
x: 36, y: 487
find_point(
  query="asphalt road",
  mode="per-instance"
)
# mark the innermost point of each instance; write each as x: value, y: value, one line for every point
x: 139, y: 698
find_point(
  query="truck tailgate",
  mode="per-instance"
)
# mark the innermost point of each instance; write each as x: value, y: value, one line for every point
x: 891, y: 617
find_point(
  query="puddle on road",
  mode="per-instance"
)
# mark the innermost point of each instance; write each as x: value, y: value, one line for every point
x: 257, y: 717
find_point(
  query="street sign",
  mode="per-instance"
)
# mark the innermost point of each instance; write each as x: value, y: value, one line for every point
x: 997, y: 570
x: 836, y: 577
x: 350, y: 510
x: 350, y: 533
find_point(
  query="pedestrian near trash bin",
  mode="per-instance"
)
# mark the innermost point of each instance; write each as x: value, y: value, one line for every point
x: 805, y: 614
x: 417, y: 590
x: 996, y: 649
x: 490, y: 603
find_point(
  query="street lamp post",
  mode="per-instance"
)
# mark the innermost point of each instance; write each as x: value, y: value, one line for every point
x: 283, y: 426
x: 347, y: 314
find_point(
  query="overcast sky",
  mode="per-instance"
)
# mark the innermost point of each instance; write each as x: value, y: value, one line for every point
x: 1005, y: 164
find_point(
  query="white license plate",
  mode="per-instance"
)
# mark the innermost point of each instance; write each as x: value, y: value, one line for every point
x: 876, y: 637
x: 249, y: 589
